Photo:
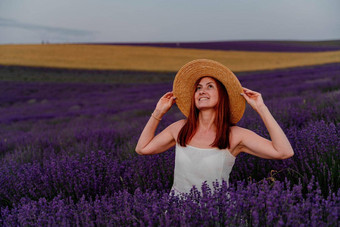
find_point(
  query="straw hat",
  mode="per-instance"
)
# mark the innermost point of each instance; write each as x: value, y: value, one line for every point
x: 183, y: 87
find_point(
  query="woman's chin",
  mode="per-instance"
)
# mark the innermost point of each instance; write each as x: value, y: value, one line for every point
x: 205, y: 107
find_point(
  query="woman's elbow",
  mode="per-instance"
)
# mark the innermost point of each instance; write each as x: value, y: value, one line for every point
x: 287, y: 155
x: 142, y: 151
x: 139, y: 151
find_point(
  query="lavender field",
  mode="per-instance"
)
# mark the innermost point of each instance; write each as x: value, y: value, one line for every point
x: 272, y: 46
x: 67, y: 141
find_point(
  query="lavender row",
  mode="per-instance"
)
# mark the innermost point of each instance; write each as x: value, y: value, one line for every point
x: 74, y: 99
x: 103, y: 172
x: 64, y: 75
x: 252, y: 204
x: 295, y: 97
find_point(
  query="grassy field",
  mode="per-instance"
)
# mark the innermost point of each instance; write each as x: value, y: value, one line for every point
x: 106, y: 57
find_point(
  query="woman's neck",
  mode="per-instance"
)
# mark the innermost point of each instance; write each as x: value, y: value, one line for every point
x: 206, y: 119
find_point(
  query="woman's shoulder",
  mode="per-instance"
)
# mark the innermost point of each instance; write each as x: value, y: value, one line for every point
x: 235, y: 139
x: 239, y: 132
x: 237, y: 129
x: 176, y: 127
x: 236, y: 134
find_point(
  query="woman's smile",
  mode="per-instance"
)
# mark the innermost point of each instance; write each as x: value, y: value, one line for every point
x: 203, y: 98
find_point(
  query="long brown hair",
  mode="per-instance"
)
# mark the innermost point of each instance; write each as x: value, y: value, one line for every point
x: 222, y: 119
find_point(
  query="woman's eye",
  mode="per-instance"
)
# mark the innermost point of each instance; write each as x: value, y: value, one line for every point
x: 210, y: 86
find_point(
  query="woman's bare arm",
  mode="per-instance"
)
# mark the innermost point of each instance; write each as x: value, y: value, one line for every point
x: 148, y: 143
x: 279, y: 147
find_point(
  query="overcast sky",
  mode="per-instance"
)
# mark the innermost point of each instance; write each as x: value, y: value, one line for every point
x: 60, y: 21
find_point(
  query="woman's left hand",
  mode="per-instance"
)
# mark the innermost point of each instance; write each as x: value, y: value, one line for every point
x: 253, y: 98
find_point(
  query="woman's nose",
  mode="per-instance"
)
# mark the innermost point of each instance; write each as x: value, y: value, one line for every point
x: 201, y: 91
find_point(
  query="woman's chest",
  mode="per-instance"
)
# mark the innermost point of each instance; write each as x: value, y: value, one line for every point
x: 202, y: 140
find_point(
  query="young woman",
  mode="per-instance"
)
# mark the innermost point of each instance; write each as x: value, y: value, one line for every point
x: 208, y: 141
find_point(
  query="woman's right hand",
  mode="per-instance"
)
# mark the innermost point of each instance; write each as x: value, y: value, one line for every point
x: 164, y: 104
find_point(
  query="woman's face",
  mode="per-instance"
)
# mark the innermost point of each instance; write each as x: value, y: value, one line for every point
x: 206, y: 94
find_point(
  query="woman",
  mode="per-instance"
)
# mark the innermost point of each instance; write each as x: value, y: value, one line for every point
x: 208, y: 141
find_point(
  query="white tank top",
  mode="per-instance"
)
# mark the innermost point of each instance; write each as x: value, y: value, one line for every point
x: 195, y: 165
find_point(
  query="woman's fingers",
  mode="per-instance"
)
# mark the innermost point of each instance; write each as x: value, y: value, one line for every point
x: 166, y: 101
x: 253, y: 98
x: 167, y: 95
x: 248, y: 91
x: 246, y: 97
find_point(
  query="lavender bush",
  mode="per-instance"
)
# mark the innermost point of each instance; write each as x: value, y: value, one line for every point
x: 67, y: 154
x: 239, y: 205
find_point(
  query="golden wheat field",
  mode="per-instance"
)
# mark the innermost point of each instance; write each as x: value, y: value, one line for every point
x: 111, y: 57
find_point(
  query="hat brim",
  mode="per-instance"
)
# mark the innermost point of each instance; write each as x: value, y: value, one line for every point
x: 183, y: 86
